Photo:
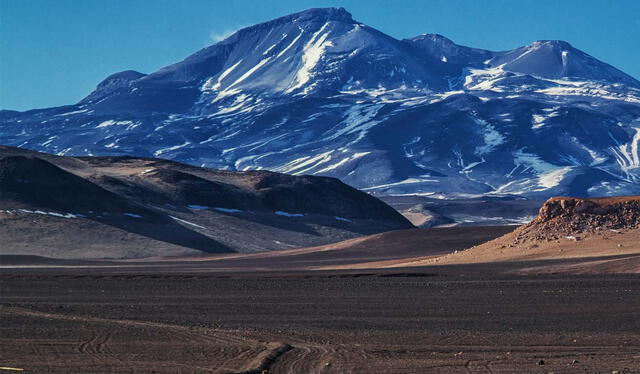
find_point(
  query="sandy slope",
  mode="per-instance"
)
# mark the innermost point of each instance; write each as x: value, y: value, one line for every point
x: 372, y: 251
x: 501, y: 250
x: 604, y: 233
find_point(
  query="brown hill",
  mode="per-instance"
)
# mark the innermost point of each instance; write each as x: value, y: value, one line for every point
x: 95, y: 207
x: 31, y: 182
x: 562, y: 216
x: 603, y: 232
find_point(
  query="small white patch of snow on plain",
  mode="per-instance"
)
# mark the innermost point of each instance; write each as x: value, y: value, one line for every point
x: 342, y: 219
x: 187, y: 222
x: 228, y: 210
x: 197, y: 207
x: 132, y: 215
x: 285, y: 214
x: 54, y: 214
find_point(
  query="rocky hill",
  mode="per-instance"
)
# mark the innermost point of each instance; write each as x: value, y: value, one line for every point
x: 137, y: 207
x: 560, y: 217
x: 569, y: 235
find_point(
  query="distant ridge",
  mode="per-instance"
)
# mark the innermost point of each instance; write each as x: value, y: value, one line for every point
x: 317, y: 92
x: 127, y: 207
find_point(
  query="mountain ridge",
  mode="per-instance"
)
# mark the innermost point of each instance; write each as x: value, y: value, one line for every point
x: 317, y: 92
x: 99, y: 207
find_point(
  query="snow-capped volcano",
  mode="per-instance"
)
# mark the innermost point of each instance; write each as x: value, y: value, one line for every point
x: 317, y: 92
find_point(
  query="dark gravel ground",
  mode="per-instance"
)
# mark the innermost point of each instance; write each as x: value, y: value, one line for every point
x: 310, y: 322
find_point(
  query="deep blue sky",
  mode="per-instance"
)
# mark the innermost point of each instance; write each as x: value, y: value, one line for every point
x: 54, y: 52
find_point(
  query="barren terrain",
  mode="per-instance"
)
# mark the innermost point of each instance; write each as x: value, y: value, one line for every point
x: 373, y: 251
x: 558, y: 295
x: 598, y: 235
x: 320, y: 322
x: 128, y: 207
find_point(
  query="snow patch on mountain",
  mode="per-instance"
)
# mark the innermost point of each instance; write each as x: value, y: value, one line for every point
x: 317, y: 92
x: 492, y: 138
x: 312, y: 53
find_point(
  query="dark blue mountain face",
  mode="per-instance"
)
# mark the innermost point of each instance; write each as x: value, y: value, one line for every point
x: 319, y: 93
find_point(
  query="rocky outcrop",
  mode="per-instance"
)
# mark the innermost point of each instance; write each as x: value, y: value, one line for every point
x: 562, y: 217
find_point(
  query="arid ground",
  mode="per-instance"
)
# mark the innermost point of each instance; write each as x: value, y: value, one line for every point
x: 447, y: 319
x: 529, y: 300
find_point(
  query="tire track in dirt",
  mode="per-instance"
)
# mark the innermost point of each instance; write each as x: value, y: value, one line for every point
x: 268, y: 352
x: 86, y: 347
x: 305, y: 357
x: 97, y: 348
x: 311, y: 353
x: 266, y: 360
x: 102, y: 344
x: 37, y: 350
x: 476, y: 366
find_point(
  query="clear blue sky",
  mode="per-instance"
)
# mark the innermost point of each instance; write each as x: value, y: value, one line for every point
x: 54, y: 52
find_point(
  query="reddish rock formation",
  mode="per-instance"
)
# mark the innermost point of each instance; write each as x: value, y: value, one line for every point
x: 560, y: 217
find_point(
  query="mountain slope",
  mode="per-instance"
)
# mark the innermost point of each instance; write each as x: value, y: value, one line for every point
x: 94, y: 207
x: 317, y: 92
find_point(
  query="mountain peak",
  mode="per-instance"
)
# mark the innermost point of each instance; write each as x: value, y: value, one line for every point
x: 114, y: 82
x: 308, y: 15
x: 553, y: 43
x: 329, y: 14
x: 316, y: 92
x: 123, y: 76
x: 559, y: 59
x: 434, y: 38
x: 444, y: 49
